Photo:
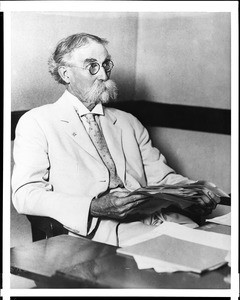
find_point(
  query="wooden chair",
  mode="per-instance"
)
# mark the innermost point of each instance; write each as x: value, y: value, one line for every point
x: 45, y: 227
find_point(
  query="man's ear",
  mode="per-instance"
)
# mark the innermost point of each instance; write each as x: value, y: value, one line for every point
x: 63, y: 72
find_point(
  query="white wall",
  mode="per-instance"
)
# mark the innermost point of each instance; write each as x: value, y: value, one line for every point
x: 184, y: 58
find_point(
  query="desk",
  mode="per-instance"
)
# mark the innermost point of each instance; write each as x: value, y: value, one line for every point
x: 90, y: 264
x: 40, y: 260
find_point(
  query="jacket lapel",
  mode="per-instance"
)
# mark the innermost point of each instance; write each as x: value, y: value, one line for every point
x: 72, y: 125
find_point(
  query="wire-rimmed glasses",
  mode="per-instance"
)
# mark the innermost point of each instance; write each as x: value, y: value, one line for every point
x: 94, y: 67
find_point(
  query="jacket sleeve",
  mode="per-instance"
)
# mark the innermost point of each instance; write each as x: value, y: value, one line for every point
x: 155, y: 165
x: 32, y: 193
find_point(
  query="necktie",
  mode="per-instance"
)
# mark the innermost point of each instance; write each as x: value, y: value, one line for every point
x: 100, y: 144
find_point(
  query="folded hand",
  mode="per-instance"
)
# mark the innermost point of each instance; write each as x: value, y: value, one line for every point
x: 115, y: 205
x: 205, y: 204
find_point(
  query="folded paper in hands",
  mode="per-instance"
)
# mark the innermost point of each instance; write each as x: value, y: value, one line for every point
x: 183, y: 195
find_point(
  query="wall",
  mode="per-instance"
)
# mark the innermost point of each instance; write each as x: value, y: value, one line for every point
x: 184, y: 58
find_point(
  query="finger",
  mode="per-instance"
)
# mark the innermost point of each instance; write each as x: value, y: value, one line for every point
x: 120, y: 190
x: 132, y: 199
x: 137, y: 202
x: 131, y: 207
x: 121, y: 194
x: 134, y: 204
x: 124, y: 210
x: 204, y: 201
x: 212, y: 203
x: 214, y: 199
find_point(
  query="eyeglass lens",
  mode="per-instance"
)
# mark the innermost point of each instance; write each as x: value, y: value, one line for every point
x: 94, y: 67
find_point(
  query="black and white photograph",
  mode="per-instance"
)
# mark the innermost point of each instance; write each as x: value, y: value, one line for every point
x: 121, y: 129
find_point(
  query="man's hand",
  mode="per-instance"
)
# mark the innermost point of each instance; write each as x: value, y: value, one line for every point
x: 115, y: 205
x: 205, y: 204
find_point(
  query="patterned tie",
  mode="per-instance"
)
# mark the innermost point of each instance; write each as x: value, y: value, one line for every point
x: 100, y: 144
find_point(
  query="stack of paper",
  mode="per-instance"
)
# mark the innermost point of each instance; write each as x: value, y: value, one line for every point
x: 178, y: 254
x: 172, y: 247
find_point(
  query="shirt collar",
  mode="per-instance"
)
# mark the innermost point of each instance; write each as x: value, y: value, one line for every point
x: 81, y: 108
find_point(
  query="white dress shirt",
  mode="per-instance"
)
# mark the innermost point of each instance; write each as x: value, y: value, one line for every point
x: 82, y: 110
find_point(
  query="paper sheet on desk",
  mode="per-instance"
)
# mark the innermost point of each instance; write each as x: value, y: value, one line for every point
x: 168, y: 254
x: 216, y: 240
x: 223, y: 220
x: 158, y: 266
x: 212, y: 239
x: 164, y: 267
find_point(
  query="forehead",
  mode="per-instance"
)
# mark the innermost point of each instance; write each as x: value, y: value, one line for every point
x: 92, y: 50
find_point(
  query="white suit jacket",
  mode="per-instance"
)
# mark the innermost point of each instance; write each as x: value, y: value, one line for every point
x: 58, y: 171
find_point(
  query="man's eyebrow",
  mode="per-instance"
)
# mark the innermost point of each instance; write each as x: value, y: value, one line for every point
x: 90, y: 60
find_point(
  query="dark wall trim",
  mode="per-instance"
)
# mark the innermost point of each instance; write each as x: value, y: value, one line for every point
x: 195, y: 118
x: 179, y: 116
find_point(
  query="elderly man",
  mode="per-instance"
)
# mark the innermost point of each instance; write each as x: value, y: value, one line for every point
x: 77, y: 161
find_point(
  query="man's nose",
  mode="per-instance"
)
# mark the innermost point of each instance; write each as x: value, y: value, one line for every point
x: 102, y: 75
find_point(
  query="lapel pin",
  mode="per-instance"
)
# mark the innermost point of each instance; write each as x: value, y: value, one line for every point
x: 74, y: 134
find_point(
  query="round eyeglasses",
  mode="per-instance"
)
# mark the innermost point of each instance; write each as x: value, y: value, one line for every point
x: 94, y: 67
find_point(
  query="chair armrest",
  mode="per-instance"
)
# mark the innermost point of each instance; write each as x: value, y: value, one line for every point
x: 45, y: 227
